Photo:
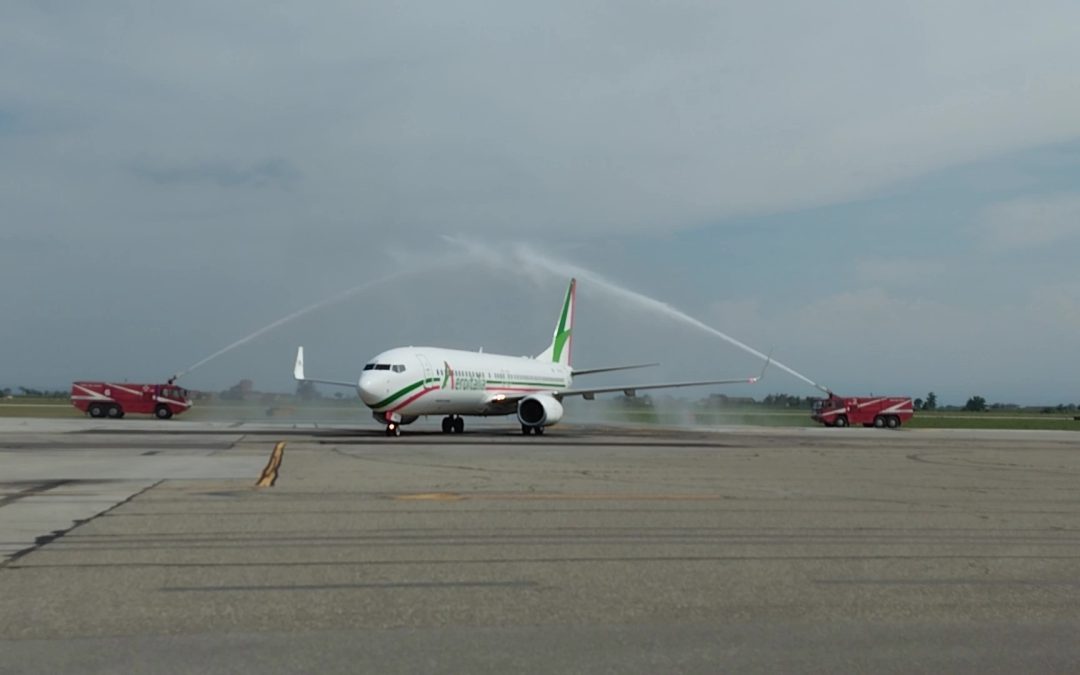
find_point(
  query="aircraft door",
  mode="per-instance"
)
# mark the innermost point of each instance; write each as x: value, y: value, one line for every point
x: 425, y: 365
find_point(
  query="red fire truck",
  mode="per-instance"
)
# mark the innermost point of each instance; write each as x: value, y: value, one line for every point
x: 869, y: 411
x: 108, y: 399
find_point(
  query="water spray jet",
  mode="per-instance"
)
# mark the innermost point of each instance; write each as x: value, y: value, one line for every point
x: 334, y: 299
x: 526, y: 256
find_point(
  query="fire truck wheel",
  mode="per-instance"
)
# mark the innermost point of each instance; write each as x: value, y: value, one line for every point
x: 893, y: 422
x: 841, y: 421
x: 96, y: 410
x: 115, y: 412
x: 879, y: 422
x: 162, y: 412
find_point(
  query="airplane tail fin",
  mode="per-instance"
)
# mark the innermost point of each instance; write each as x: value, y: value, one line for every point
x: 561, y: 342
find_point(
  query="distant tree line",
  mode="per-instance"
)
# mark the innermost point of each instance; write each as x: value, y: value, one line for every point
x: 30, y: 392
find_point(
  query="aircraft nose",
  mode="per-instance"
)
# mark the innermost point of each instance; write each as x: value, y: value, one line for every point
x: 371, y: 388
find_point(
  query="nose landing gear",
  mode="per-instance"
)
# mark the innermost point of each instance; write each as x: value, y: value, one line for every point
x: 393, y: 429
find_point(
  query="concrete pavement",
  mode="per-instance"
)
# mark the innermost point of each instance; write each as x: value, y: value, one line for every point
x: 586, y: 550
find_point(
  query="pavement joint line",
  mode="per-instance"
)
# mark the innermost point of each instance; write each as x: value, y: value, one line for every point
x: 46, y: 539
x: 36, y: 488
x: 386, y: 585
x: 568, y: 496
x: 564, y: 560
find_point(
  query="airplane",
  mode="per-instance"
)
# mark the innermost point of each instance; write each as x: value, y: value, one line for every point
x: 402, y: 384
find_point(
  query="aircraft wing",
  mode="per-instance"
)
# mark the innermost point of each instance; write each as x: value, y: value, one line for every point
x: 631, y: 390
x: 610, y: 369
x: 298, y: 373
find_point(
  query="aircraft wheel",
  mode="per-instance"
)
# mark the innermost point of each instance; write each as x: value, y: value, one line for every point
x: 459, y: 425
x: 892, y: 422
x: 879, y: 422
x: 393, y: 430
x: 162, y: 412
x: 447, y: 425
x: 539, y: 431
x: 526, y: 429
x: 96, y: 410
x: 841, y: 421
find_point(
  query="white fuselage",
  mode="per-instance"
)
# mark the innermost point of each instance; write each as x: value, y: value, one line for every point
x: 410, y: 381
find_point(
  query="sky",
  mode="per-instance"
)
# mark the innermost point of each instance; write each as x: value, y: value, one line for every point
x: 886, y: 195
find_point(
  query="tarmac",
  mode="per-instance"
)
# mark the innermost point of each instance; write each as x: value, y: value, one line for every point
x: 143, y: 546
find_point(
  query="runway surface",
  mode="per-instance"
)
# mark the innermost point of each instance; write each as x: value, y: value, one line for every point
x: 134, y: 546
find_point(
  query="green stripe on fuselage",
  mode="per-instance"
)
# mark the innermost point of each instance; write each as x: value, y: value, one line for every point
x: 401, y: 392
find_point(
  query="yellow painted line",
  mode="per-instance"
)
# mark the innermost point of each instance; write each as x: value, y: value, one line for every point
x: 431, y: 497
x: 269, y: 474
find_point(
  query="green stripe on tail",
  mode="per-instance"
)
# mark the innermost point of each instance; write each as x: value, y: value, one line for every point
x: 561, y: 342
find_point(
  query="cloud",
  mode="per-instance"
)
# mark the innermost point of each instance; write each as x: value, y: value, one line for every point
x: 1031, y: 222
x: 276, y: 172
x: 9, y: 122
x: 1058, y: 305
x: 897, y: 272
x: 561, y: 117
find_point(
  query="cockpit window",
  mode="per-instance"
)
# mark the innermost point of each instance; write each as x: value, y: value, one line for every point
x: 382, y: 366
x: 370, y: 366
x: 398, y: 368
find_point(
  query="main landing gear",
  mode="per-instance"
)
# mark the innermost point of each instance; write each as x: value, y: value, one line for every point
x: 526, y: 429
x: 453, y: 424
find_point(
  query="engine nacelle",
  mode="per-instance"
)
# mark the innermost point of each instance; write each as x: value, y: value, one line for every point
x: 384, y: 418
x: 539, y: 411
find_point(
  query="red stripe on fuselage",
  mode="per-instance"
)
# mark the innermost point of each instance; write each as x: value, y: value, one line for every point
x: 431, y: 389
x: 412, y: 398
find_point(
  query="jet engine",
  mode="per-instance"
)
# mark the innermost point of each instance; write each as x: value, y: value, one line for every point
x: 541, y: 410
x: 383, y: 418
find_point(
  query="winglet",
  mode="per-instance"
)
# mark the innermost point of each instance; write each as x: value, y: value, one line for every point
x: 298, y: 369
x: 768, y: 362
